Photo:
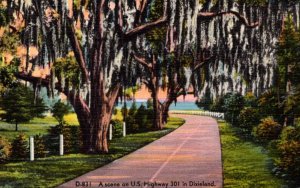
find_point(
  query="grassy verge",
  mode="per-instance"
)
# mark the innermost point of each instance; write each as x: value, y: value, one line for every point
x: 52, y: 171
x: 244, y: 163
x: 34, y: 127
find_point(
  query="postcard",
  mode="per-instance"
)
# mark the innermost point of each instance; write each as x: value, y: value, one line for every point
x: 149, y: 93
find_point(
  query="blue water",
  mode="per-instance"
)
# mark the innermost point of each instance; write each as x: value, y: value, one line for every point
x: 177, y: 106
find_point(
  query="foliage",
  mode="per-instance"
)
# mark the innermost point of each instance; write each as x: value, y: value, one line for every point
x: 267, y: 130
x: 117, y: 128
x: 59, y: 110
x: 9, y: 42
x: 157, y: 35
x: 205, y: 101
x: 67, y: 70
x: 131, y: 124
x: 244, y: 163
x: 143, y: 118
x: 7, y: 78
x: 248, y: 118
x: 55, y: 170
x: 71, y: 134
x: 20, y: 105
x: 289, y: 152
x: 269, y: 105
x: 250, y: 100
x: 39, y: 146
x: 254, y: 2
x: 20, y: 147
x: 218, y: 104
x: 5, y: 149
x: 124, y: 111
x: 3, y: 16
x: 288, y: 78
x: 233, y: 104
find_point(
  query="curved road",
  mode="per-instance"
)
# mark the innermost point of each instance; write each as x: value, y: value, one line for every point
x: 188, y: 157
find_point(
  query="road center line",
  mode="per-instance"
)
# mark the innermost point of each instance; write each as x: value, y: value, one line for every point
x: 169, y: 158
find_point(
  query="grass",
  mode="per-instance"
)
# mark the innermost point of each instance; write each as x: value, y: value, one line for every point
x: 244, y: 163
x: 34, y: 127
x: 54, y: 170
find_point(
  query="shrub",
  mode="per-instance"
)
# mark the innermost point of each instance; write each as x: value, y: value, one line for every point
x: 269, y: 105
x: 218, y: 105
x: 39, y: 146
x: 248, y: 118
x: 72, y: 138
x: 117, y: 128
x: 5, y: 149
x: 20, y: 147
x: 142, y: 119
x: 131, y: 124
x: 289, y: 151
x: 290, y: 133
x: 267, y: 130
x: 250, y: 100
x: 289, y: 160
x: 233, y: 104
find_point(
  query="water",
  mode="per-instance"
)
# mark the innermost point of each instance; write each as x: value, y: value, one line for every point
x: 178, y: 106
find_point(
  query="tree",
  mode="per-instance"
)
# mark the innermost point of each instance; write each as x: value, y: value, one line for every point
x: 287, y: 83
x: 101, y: 34
x: 20, y: 106
x: 59, y: 110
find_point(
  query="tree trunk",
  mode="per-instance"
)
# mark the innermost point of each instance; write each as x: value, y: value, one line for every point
x: 100, y: 144
x: 157, y: 110
x: 165, y: 112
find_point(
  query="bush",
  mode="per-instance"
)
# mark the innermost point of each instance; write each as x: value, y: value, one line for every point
x: 267, y: 130
x: 270, y: 106
x: 5, y: 149
x: 72, y: 138
x: 39, y: 146
x: 289, y: 151
x: 142, y: 119
x: 131, y: 124
x: 117, y: 128
x: 250, y: 100
x: 233, y: 104
x: 20, y: 147
x: 248, y: 118
x: 218, y: 105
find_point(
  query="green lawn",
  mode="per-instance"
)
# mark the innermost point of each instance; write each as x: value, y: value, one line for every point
x: 244, y: 163
x: 52, y: 171
x: 34, y: 127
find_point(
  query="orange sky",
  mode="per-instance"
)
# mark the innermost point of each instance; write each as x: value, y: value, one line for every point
x: 144, y: 94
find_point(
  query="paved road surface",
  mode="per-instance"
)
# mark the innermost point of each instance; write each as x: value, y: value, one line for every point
x: 188, y: 157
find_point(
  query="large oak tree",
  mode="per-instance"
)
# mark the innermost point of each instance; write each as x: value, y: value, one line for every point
x: 96, y: 38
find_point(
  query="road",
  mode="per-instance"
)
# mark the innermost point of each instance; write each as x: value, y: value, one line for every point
x: 188, y: 157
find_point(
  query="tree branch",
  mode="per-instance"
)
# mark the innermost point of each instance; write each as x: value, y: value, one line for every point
x: 144, y: 28
x: 230, y: 12
x: 77, y: 50
x: 114, y: 94
x: 75, y: 99
x: 142, y: 61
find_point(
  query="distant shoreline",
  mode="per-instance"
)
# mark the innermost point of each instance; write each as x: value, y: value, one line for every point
x: 179, y: 105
